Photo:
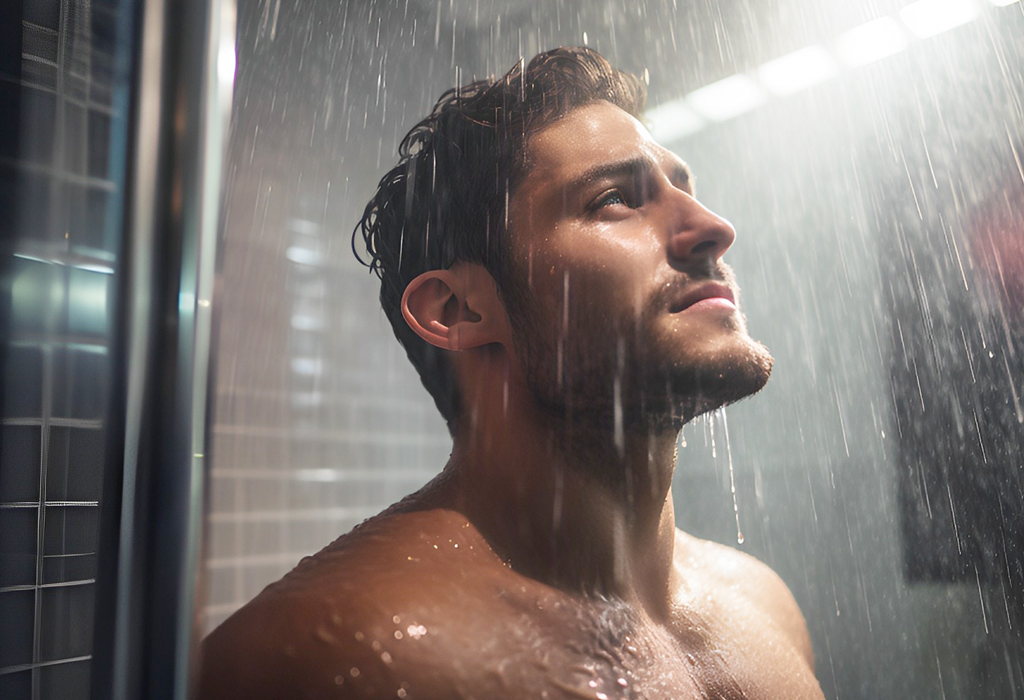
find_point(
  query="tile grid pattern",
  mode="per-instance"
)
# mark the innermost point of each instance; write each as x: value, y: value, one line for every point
x: 319, y: 422
x: 56, y: 373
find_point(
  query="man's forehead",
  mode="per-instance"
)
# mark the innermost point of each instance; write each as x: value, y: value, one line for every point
x: 592, y: 135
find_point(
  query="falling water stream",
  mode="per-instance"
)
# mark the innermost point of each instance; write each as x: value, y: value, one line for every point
x: 732, y: 475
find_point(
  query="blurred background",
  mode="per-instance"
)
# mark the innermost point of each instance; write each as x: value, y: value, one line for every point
x: 870, y: 156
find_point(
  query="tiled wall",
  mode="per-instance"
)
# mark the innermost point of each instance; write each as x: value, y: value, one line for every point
x: 61, y: 184
x: 320, y: 421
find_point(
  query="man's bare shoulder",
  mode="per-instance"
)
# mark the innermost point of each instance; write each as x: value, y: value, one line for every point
x: 733, y: 571
x: 373, y: 608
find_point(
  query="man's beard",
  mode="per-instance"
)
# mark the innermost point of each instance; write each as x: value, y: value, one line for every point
x: 600, y: 374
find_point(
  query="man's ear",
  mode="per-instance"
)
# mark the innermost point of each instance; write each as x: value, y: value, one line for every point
x: 456, y: 309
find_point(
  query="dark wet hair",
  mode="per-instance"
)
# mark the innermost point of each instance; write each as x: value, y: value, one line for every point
x: 446, y: 201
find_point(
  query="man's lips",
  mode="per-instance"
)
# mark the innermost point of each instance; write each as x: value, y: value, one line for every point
x: 709, y: 294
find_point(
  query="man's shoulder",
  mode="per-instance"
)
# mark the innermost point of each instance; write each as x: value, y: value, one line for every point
x: 353, y: 620
x: 727, y: 569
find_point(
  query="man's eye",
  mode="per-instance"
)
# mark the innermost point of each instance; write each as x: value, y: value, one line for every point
x: 610, y: 198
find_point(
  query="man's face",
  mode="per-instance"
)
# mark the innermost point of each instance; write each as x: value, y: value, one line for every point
x: 628, y: 309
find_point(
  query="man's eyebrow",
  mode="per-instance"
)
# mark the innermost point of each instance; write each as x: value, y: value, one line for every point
x: 630, y: 167
x: 634, y: 167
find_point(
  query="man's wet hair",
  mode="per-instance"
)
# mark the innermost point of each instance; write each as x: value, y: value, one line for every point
x: 447, y: 199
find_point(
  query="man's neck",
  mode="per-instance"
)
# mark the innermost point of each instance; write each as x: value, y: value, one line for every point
x: 566, y: 506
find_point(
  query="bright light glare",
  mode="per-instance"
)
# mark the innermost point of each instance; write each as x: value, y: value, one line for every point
x: 226, y: 64
x: 1003, y: 3
x: 306, y: 365
x: 302, y: 256
x: 727, y: 98
x: 797, y: 71
x: 927, y: 18
x: 302, y: 322
x: 672, y: 121
x: 323, y: 475
x: 871, y: 42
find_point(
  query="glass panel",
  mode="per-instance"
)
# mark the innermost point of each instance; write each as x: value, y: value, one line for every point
x: 869, y: 156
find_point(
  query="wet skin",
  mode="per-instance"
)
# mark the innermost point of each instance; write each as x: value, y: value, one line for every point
x: 544, y: 562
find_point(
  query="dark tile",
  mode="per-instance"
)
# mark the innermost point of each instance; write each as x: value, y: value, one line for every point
x: 70, y: 530
x: 16, y: 685
x: 17, y: 610
x: 45, y: 13
x: 66, y: 622
x: 98, y: 145
x: 23, y: 381
x: 38, y: 125
x: 65, y: 681
x: 85, y: 472
x: 71, y: 567
x: 20, y: 455
x: 17, y: 546
x: 57, y: 462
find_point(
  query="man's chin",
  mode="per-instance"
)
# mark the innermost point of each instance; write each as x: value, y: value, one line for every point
x: 727, y: 379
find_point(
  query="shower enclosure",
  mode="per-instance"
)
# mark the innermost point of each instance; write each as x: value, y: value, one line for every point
x: 857, y: 147
x: 869, y: 154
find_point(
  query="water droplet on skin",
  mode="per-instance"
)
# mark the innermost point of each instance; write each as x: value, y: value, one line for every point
x: 386, y: 657
x: 354, y: 672
x: 396, y: 619
x: 623, y: 682
x: 592, y: 684
x: 324, y: 636
x: 401, y: 692
x: 375, y: 645
x: 339, y: 680
x: 602, y: 696
x: 398, y: 634
x: 360, y: 636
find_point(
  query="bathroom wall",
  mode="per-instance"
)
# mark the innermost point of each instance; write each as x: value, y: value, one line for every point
x: 63, y: 114
x: 319, y: 419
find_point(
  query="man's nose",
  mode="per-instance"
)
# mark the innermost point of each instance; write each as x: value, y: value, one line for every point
x: 697, y: 231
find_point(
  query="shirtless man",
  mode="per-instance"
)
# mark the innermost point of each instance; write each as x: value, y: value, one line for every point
x: 561, y: 292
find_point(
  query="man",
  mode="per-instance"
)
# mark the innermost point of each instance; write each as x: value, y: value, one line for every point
x: 561, y: 292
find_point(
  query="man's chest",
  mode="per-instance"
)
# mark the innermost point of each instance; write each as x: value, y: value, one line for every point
x: 560, y: 650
